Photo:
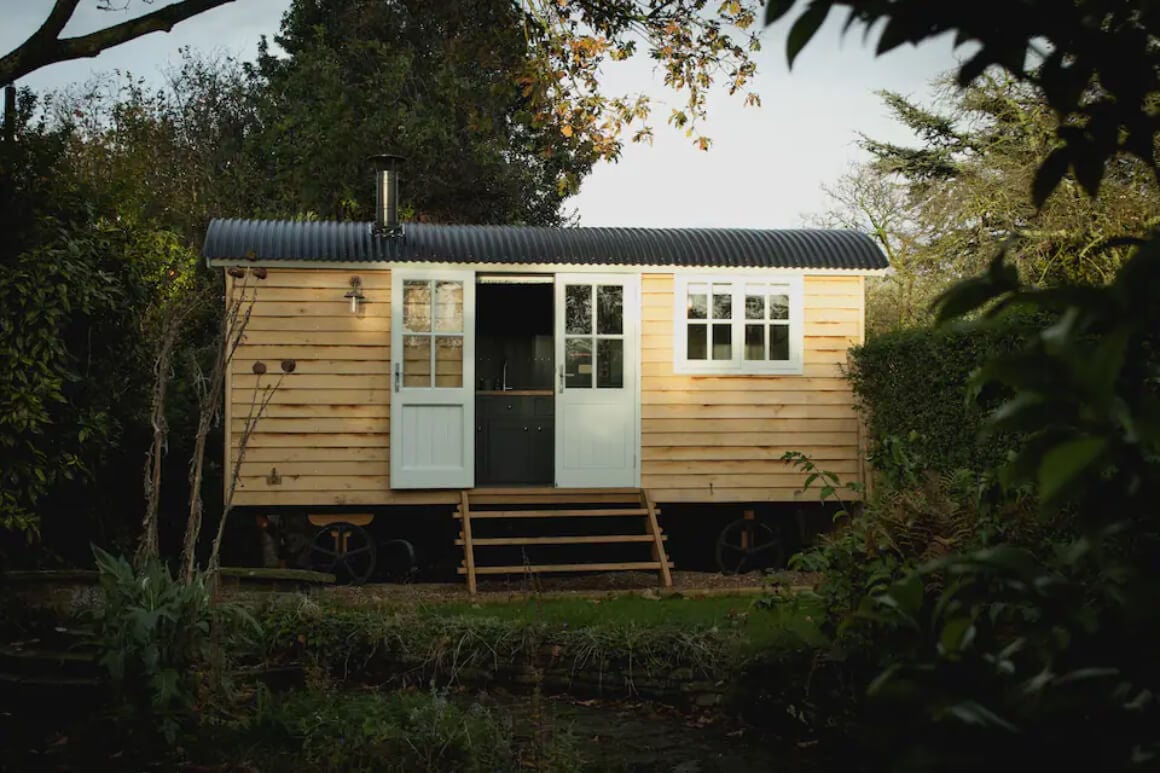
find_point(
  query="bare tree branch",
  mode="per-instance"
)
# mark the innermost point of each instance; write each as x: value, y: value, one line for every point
x: 45, y: 46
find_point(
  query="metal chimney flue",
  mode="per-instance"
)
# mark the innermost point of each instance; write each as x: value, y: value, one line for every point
x: 387, y: 194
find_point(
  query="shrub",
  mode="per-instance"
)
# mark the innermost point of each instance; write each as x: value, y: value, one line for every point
x: 914, y: 383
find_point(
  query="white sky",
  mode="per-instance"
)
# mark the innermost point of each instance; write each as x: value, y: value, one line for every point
x: 764, y: 170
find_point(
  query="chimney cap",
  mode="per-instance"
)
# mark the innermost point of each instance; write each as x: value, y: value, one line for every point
x: 386, y: 161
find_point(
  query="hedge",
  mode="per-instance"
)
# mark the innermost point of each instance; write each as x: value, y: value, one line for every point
x: 915, y: 381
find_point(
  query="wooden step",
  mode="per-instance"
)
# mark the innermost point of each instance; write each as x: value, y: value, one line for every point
x: 562, y: 513
x: 589, y: 539
x: 555, y: 497
x: 537, y: 568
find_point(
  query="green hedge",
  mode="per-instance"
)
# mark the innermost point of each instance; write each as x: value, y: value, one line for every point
x: 915, y: 381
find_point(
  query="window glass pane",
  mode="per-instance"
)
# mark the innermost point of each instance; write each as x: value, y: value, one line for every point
x: 610, y: 310
x: 779, y: 342
x: 722, y: 302
x: 697, y: 345
x: 449, y: 307
x: 698, y: 304
x: 755, y: 342
x: 722, y: 342
x: 416, y: 361
x: 578, y: 309
x: 448, y: 361
x: 755, y: 307
x: 417, y: 306
x: 609, y: 363
x: 779, y: 307
x: 578, y: 363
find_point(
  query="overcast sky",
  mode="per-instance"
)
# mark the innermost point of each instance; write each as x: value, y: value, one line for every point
x: 766, y: 166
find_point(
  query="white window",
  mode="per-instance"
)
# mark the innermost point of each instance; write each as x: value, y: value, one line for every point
x: 732, y: 325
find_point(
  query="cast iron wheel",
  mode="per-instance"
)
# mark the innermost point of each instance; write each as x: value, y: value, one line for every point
x: 746, y: 544
x: 344, y: 550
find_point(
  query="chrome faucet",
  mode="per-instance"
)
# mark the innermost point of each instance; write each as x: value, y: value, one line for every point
x: 505, y: 387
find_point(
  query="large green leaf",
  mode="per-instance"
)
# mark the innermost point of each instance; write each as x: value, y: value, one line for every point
x: 1064, y: 464
x: 805, y: 27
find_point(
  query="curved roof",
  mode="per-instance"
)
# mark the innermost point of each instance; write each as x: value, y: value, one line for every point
x: 276, y: 240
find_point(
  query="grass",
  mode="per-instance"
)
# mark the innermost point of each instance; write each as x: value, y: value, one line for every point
x: 760, y: 624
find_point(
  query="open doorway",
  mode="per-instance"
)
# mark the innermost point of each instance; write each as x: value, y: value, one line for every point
x: 514, y: 369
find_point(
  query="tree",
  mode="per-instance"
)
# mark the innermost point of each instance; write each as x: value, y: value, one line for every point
x: 939, y: 208
x: 45, y: 46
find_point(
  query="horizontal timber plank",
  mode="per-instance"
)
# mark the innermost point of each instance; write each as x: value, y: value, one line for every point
x: 739, y: 495
x: 678, y: 439
x: 320, y: 294
x: 536, y: 568
x: 561, y: 513
x: 326, y: 426
x: 282, y: 455
x: 843, y: 467
x: 315, y: 323
x: 282, y: 352
x: 290, y: 394
x: 264, y: 437
x: 663, y: 367
x: 588, y: 539
x: 723, y: 427
x: 709, y: 411
x: 347, y: 374
x: 845, y: 449
x: 254, y: 337
x: 786, y: 479
x: 321, y: 277
x: 745, y: 397
x: 336, y: 410
x: 318, y: 467
x: 274, y: 498
x: 746, y: 383
x: 594, y: 496
x: 334, y: 308
x: 332, y: 483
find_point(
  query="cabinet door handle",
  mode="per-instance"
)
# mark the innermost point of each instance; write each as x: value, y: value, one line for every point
x: 525, y: 429
x: 539, y: 429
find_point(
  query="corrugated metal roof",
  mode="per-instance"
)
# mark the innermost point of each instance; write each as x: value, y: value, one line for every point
x: 274, y: 240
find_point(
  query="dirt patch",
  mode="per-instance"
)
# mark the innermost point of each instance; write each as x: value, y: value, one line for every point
x: 585, y: 586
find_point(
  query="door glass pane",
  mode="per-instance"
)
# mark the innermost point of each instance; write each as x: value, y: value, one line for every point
x: 416, y: 361
x: 722, y: 302
x: 578, y: 363
x: 578, y: 309
x: 779, y: 342
x: 609, y: 363
x: 779, y: 307
x: 722, y: 342
x: 449, y: 307
x: 417, y: 306
x: 448, y: 361
x: 755, y: 342
x: 610, y: 310
x: 755, y: 307
x: 698, y: 302
x: 697, y: 346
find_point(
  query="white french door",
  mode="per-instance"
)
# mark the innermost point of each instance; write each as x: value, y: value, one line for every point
x: 432, y: 379
x: 596, y: 389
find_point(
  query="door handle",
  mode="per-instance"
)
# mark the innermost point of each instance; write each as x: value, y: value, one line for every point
x: 398, y: 375
x: 561, y: 379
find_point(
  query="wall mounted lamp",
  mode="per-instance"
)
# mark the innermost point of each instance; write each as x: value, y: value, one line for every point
x: 355, y: 294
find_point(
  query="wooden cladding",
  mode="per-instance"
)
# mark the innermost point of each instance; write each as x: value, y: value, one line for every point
x: 325, y: 438
x: 720, y: 438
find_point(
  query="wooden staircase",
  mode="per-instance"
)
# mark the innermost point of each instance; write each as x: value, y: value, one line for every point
x: 557, y: 511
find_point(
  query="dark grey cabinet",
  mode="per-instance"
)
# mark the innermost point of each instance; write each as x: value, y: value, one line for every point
x: 515, y: 440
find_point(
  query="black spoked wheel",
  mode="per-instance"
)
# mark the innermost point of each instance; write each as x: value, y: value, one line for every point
x: 748, y: 545
x: 344, y: 550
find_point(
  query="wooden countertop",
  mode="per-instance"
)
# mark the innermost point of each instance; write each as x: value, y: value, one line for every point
x: 517, y: 393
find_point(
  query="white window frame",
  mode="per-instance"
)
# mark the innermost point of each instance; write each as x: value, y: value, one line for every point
x: 738, y: 365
